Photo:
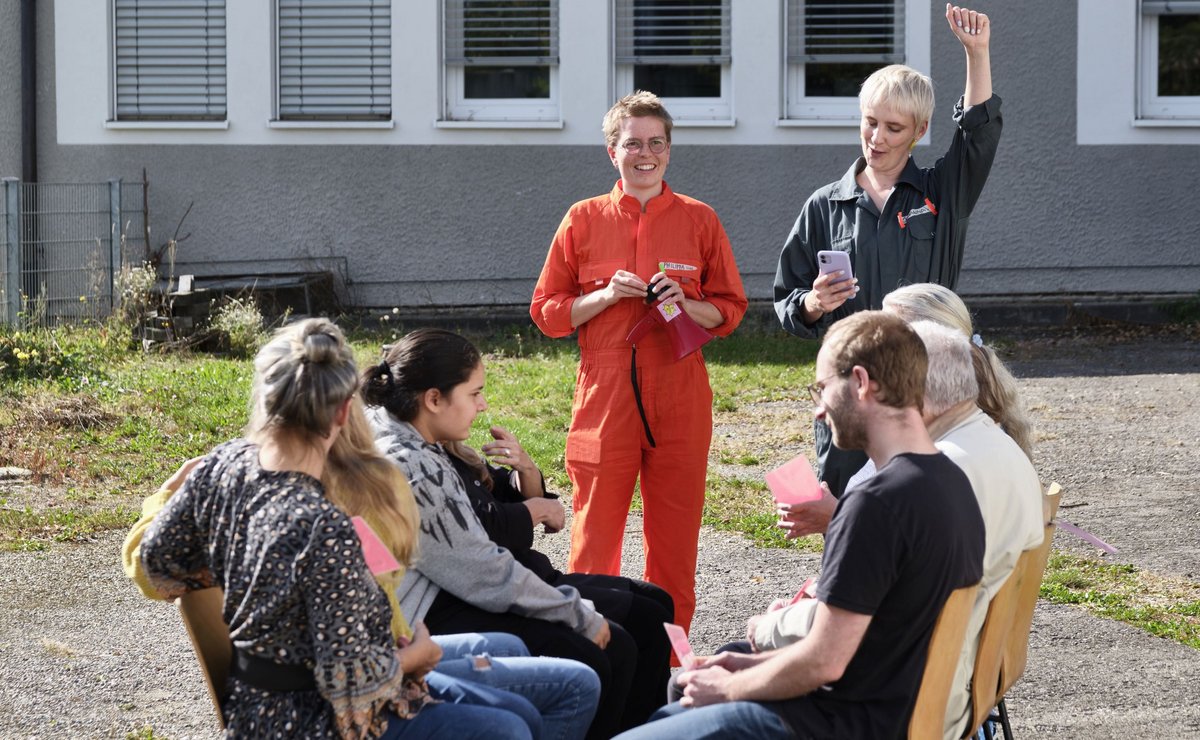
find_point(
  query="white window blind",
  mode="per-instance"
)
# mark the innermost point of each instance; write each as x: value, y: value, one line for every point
x: 672, y: 32
x: 335, y: 59
x: 169, y: 59
x: 845, y: 31
x: 501, y: 32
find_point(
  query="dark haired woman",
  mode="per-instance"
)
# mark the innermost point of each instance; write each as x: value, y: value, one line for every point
x: 510, y: 502
x: 428, y: 391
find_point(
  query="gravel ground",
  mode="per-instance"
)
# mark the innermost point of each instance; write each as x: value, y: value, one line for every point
x: 83, y: 655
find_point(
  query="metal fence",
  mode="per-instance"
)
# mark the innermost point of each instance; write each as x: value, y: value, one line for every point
x: 64, y: 245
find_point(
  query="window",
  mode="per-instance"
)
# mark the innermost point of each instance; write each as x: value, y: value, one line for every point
x: 501, y: 60
x: 831, y: 47
x: 1169, y: 60
x: 678, y: 50
x: 335, y: 60
x: 168, y: 60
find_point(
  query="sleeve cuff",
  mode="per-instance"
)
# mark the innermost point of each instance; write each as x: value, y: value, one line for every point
x: 975, y: 116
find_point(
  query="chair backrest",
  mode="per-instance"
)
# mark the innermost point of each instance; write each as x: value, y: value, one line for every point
x: 1031, y: 567
x: 993, y: 637
x: 203, y: 616
x: 929, y: 713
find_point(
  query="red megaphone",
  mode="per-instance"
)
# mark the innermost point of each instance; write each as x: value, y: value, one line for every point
x: 685, y: 334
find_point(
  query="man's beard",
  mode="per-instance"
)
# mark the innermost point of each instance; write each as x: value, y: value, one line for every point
x: 849, y: 431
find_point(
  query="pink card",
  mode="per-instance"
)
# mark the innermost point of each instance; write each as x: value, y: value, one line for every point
x: 806, y: 591
x: 679, y: 643
x: 794, y: 482
x: 379, y: 558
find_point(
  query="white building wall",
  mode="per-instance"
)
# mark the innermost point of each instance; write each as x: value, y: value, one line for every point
x: 427, y: 214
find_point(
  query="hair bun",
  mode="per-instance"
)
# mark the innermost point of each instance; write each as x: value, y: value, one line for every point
x: 321, y: 342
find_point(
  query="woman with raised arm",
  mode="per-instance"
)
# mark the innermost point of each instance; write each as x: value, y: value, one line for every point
x: 899, y: 223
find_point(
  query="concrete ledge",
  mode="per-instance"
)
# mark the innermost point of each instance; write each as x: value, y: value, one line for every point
x: 1081, y: 309
x: 988, y: 312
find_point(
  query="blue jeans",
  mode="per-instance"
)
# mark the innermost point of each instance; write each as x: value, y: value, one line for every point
x: 456, y: 722
x: 564, y: 692
x: 495, y: 644
x: 472, y: 693
x: 738, y: 719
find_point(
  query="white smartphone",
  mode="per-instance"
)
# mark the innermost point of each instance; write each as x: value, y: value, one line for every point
x: 833, y: 260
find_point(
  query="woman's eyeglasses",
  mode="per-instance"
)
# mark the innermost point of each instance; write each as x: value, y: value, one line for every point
x: 656, y: 145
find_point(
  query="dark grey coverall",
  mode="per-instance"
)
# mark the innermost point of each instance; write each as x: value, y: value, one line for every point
x: 918, y: 237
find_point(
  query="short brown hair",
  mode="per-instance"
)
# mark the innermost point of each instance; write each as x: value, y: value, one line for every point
x: 635, y: 105
x: 892, y: 353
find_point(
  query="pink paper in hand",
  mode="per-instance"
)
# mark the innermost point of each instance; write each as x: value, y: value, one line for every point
x: 679, y: 643
x: 379, y: 558
x: 794, y: 482
x: 806, y: 591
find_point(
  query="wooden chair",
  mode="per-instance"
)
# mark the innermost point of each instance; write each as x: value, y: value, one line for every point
x: 929, y: 713
x: 1004, y: 640
x: 203, y: 616
x: 993, y: 638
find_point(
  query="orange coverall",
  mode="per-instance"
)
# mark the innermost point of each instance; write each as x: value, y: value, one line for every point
x: 607, y: 449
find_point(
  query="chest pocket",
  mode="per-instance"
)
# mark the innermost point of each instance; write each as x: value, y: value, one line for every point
x: 921, y: 226
x: 686, y: 272
x: 919, y: 235
x: 595, y: 275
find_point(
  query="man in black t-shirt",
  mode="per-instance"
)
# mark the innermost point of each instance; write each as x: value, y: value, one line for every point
x: 896, y: 548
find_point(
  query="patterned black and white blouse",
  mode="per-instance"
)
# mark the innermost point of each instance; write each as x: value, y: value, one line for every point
x: 297, y: 592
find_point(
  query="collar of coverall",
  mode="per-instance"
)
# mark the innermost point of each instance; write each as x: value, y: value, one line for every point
x: 848, y: 188
x: 630, y: 203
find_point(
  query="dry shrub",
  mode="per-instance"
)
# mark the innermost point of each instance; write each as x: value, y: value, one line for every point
x: 71, y: 412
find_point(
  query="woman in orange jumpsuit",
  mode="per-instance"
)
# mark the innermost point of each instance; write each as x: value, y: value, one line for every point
x: 607, y: 251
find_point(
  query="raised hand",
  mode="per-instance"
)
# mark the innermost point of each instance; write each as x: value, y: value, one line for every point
x: 972, y: 28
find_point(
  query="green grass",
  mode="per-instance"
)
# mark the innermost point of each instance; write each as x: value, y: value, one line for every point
x: 26, y: 530
x: 124, y: 432
x: 1165, y: 607
x: 119, y: 423
x: 103, y: 434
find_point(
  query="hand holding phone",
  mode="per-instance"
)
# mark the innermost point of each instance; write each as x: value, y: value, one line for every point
x: 829, y: 261
x: 835, y: 284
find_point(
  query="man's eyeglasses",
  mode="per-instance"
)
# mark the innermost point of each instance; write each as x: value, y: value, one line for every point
x: 817, y: 389
x: 656, y: 145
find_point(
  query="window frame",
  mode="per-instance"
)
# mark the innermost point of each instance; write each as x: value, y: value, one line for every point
x: 800, y: 108
x: 714, y: 111
x: 457, y: 107
x: 379, y: 92
x: 1150, y: 105
x: 213, y: 91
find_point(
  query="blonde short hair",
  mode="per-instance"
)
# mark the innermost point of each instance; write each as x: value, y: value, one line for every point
x: 635, y: 105
x: 901, y: 87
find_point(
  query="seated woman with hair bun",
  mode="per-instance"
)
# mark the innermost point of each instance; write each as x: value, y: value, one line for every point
x: 314, y: 653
